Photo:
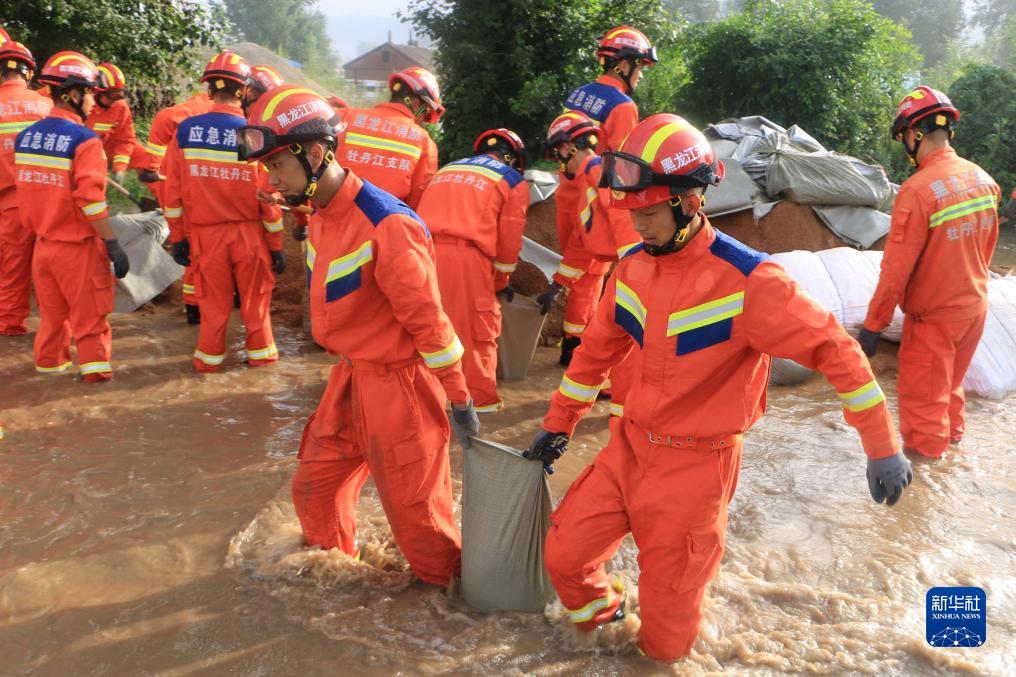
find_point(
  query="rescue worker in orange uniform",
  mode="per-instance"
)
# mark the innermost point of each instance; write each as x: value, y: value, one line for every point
x: 386, y: 144
x: 61, y: 175
x: 160, y: 134
x: 935, y: 267
x: 262, y: 78
x: 218, y: 225
x: 112, y: 121
x: 476, y: 211
x: 375, y: 303
x: 704, y: 314
x: 19, y: 107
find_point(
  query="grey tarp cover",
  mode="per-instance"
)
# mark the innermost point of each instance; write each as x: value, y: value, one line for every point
x: 152, y: 269
x: 521, y: 324
x: 506, y: 506
x: 541, y: 257
x: 541, y: 185
x: 859, y: 226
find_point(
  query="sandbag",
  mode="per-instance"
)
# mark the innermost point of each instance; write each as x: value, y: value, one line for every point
x: 521, y: 324
x: 822, y: 177
x: 506, y: 506
x: 992, y: 372
x: 152, y: 269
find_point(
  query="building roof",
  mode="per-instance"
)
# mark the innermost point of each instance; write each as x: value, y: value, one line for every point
x: 420, y: 56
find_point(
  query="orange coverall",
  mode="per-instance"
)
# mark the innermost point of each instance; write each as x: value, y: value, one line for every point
x: 211, y: 201
x: 115, y: 127
x: 375, y: 304
x: 606, y: 103
x: 61, y: 174
x: 935, y: 267
x: 703, y: 322
x: 385, y: 146
x: 19, y: 107
x: 160, y: 134
x: 476, y: 210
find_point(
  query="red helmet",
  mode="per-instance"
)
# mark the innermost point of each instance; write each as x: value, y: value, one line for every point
x: 68, y: 69
x: 570, y: 126
x: 625, y: 42
x: 336, y: 102
x: 662, y: 157
x: 113, y: 76
x: 5, y: 37
x: 227, y: 66
x: 265, y: 77
x: 504, y: 139
x: 920, y: 104
x: 14, y: 56
x: 288, y: 115
x: 423, y: 84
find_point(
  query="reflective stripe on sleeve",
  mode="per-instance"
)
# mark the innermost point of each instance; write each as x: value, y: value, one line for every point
x: 865, y: 397
x: 570, y: 328
x: 446, y: 356
x: 578, y: 391
x: 273, y: 226
x: 155, y: 149
x: 188, y: 289
x: 569, y: 272
x: 616, y: 409
x: 173, y: 212
x: 121, y: 159
x: 94, y: 208
x: 505, y: 267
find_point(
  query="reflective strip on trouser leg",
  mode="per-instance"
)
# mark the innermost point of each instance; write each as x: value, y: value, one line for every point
x: 95, y: 368
x: 589, y: 611
x: 210, y: 360
x: 58, y: 369
x: 263, y: 353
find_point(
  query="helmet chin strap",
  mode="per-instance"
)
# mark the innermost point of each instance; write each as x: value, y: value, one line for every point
x: 625, y: 78
x: 313, y: 175
x: 78, y: 107
x: 682, y: 223
x: 912, y: 154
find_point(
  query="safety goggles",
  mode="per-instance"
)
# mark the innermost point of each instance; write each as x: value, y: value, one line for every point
x: 254, y: 141
x: 630, y: 174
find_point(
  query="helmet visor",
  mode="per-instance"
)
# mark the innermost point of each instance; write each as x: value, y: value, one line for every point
x: 253, y: 142
x: 629, y: 174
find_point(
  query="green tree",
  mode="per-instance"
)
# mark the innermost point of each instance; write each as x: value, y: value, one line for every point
x: 697, y: 11
x: 987, y: 128
x: 835, y: 67
x: 998, y: 19
x: 158, y: 45
x: 934, y: 24
x: 512, y: 63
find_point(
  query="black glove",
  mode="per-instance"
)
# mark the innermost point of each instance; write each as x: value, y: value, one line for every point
x: 507, y: 293
x: 148, y: 176
x: 121, y: 264
x: 888, y: 476
x: 278, y: 261
x: 180, y: 251
x: 547, y: 298
x: 869, y: 341
x: 547, y: 447
x: 300, y: 233
x: 465, y: 422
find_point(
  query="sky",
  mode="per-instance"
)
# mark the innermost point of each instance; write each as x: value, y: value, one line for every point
x: 356, y: 25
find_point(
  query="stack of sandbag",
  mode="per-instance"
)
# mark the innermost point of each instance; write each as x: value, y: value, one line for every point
x: 992, y: 372
x: 152, y: 269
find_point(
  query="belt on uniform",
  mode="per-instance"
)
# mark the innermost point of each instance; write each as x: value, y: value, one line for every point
x: 686, y: 442
x: 438, y: 238
x: 382, y: 367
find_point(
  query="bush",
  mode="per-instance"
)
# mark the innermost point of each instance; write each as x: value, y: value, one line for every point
x: 987, y: 128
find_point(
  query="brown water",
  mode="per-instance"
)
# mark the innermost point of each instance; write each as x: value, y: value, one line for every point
x: 146, y: 528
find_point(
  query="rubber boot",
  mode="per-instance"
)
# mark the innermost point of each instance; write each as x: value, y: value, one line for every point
x: 568, y: 346
x: 193, y: 313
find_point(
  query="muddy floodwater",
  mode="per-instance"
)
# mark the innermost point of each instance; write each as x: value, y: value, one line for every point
x: 145, y: 528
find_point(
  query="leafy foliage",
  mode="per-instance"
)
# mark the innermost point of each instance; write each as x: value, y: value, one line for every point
x: 934, y: 24
x: 157, y: 44
x: 987, y: 126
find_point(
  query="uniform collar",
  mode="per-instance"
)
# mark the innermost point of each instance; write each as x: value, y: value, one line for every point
x: 225, y: 108
x: 694, y: 250
x: 397, y: 107
x: 939, y: 155
x: 12, y: 84
x: 57, y: 112
x: 344, y: 197
x: 611, y: 82
x: 585, y: 164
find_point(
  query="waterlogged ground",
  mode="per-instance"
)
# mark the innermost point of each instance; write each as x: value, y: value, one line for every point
x: 146, y: 528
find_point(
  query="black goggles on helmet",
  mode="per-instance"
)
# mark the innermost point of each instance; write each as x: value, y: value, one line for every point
x: 629, y: 174
x: 254, y: 141
x: 647, y: 57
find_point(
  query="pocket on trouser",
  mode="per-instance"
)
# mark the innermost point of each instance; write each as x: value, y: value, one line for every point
x: 917, y: 374
x: 102, y: 286
x: 413, y: 467
x: 486, y: 321
x: 704, y: 552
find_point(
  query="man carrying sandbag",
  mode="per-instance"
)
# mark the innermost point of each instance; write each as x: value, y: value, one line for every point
x: 703, y: 314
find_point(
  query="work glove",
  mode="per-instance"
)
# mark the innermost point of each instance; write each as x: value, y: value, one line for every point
x: 507, y: 293
x: 869, y: 341
x: 547, y: 447
x: 547, y: 298
x: 148, y: 176
x: 465, y: 422
x: 278, y: 262
x: 180, y: 251
x: 121, y: 264
x: 118, y: 176
x: 300, y: 232
x: 888, y: 476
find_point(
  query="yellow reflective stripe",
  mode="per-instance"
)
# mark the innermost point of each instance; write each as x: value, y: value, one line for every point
x: 865, y: 397
x: 53, y: 370
x: 210, y: 360
x: 443, y: 358
x: 626, y: 297
x: 311, y: 255
x: 278, y: 98
x: 569, y: 272
x: 965, y: 208
x: 624, y: 249
x: 616, y: 409
x: 103, y: 126
x: 15, y: 127
x: 273, y: 226
x: 344, y: 265
x: 505, y: 267
x: 95, y: 368
x: 173, y: 212
x: 262, y: 354
x: 155, y: 149
x: 591, y: 196
x: 42, y: 161
x: 482, y: 171
x: 379, y: 143
x: 587, y: 612
x: 94, y: 208
x: 188, y: 289
x: 124, y: 159
x: 570, y: 328
x: 1, y: 432
x: 488, y: 408
x: 578, y: 391
x: 659, y: 136
x: 707, y: 313
x: 227, y: 156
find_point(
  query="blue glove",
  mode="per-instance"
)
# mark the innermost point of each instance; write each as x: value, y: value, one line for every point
x: 180, y: 252
x: 547, y: 447
x: 465, y: 422
x: 547, y: 298
x: 869, y: 341
x: 887, y: 477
